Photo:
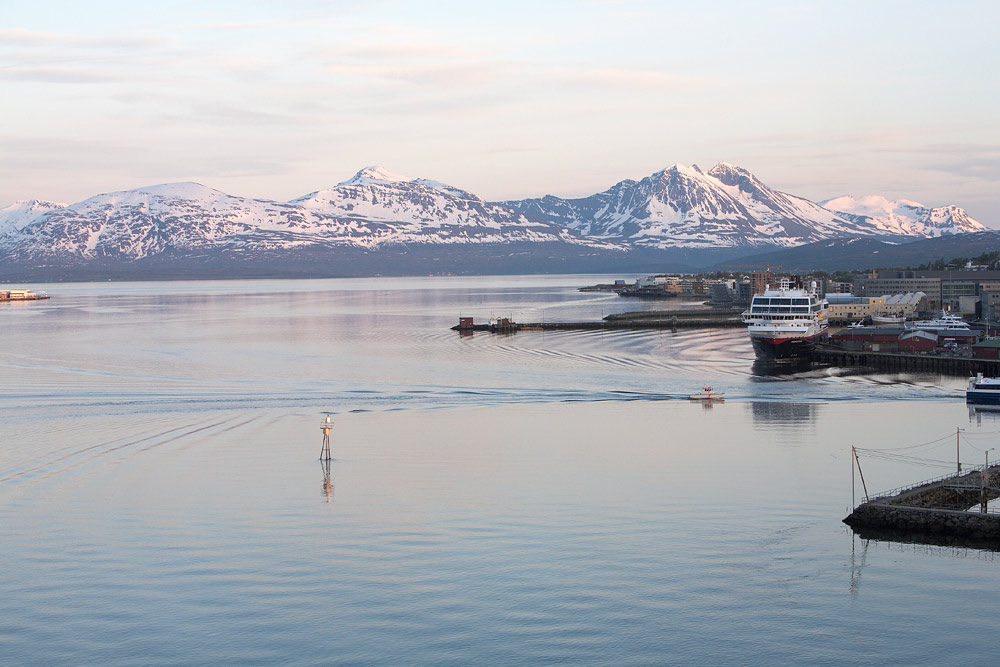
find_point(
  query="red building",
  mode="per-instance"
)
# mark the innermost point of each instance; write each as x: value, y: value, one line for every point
x: 868, y: 339
x: 918, y: 342
x: 987, y: 349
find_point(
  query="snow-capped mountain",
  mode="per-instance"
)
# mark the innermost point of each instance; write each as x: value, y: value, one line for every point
x: 20, y: 213
x: 142, y: 222
x: 373, y: 209
x: 679, y: 214
x: 377, y: 207
x: 685, y: 207
x: 903, y: 217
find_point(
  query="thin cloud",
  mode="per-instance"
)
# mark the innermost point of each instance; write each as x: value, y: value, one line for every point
x: 420, y: 74
x: 55, y: 75
x: 641, y: 79
x: 226, y: 115
x: 30, y: 39
x: 495, y: 151
x: 397, y: 51
x: 22, y: 37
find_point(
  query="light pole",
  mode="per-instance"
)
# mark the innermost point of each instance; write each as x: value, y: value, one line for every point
x: 958, y: 460
x: 986, y: 474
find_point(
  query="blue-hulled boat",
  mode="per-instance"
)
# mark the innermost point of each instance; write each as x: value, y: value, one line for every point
x: 983, y: 390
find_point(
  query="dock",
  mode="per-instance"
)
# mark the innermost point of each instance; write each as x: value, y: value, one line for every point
x: 653, y: 319
x: 703, y: 318
x: 935, y: 508
x: 895, y: 362
x: 22, y: 295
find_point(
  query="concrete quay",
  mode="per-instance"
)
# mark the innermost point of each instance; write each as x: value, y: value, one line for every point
x: 653, y: 319
x: 896, y: 362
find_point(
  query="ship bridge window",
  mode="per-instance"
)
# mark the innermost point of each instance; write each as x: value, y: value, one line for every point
x: 800, y: 302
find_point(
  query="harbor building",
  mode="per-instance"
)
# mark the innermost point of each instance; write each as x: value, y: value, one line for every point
x: 901, y: 339
x: 849, y: 308
x: 931, y: 287
x: 918, y: 342
x: 945, y: 290
x: 906, y: 305
x: 986, y: 349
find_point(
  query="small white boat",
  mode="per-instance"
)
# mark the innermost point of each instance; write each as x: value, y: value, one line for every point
x: 707, y: 394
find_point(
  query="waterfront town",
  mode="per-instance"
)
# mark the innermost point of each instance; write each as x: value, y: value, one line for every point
x: 952, y: 313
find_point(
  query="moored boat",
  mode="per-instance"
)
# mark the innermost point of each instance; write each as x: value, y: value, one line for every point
x: 784, y: 323
x: 888, y: 320
x: 944, y: 321
x: 983, y: 390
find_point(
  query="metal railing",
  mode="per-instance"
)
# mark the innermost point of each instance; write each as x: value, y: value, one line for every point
x: 911, y: 487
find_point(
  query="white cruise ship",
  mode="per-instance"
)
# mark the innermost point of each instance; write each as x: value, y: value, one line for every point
x: 784, y: 323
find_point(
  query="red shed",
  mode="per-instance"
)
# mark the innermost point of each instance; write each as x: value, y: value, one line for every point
x: 917, y: 342
x: 987, y: 349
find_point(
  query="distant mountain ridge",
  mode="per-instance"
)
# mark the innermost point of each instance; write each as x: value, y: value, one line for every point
x: 677, y: 214
x: 864, y: 252
x: 726, y: 206
x: 371, y: 210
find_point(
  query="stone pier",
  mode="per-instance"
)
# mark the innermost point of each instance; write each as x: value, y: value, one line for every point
x: 940, y: 507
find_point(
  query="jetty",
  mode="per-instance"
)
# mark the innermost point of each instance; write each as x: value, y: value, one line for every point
x: 824, y: 354
x: 22, y: 295
x: 691, y: 318
x: 935, y: 508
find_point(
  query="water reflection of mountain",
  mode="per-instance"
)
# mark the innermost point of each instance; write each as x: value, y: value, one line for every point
x: 784, y: 413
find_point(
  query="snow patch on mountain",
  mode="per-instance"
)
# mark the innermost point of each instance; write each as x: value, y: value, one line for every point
x: 683, y: 206
x: 375, y: 175
x: 904, y: 217
x: 20, y: 213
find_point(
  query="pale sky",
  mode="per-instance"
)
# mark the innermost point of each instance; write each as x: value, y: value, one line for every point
x: 504, y: 99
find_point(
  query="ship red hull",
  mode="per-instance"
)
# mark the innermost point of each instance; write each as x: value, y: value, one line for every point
x: 780, y: 349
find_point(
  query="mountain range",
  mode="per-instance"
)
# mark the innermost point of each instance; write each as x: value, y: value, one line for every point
x: 378, y: 222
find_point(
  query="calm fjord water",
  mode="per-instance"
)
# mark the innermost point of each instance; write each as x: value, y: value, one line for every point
x: 521, y: 499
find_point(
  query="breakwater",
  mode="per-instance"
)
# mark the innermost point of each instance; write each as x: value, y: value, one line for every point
x: 653, y: 319
x: 938, y: 507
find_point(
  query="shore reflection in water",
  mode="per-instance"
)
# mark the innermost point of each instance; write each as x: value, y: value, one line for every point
x: 784, y: 413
